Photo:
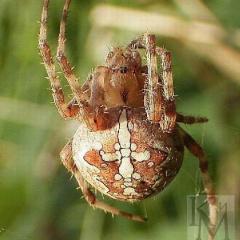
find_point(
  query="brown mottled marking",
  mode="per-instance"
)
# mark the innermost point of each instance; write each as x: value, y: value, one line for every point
x: 66, y: 157
x: 126, y: 150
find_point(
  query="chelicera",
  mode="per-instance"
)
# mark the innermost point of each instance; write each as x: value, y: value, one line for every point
x: 129, y: 144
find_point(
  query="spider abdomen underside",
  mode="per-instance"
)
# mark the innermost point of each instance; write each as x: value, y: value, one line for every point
x: 130, y: 161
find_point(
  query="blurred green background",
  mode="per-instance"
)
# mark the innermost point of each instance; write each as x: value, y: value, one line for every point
x: 38, y: 199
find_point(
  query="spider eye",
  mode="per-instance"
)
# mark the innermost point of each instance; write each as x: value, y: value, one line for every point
x: 110, y: 54
x: 123, y: 69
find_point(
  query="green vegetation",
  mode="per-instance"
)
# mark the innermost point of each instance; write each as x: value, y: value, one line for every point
x: 38, y: 199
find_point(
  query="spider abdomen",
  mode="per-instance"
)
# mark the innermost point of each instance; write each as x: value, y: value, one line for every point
x: 129, y: 161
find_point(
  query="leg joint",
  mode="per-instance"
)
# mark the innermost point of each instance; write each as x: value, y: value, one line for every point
x: 59, y: 56
x: 203, y: 166
x: 90, y: 197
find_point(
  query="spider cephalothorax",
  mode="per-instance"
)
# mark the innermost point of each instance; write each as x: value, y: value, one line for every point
x: 129, y: 144
x: 120, y: 82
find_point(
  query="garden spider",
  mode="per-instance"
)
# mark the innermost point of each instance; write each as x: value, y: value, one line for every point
x: 129, y: 144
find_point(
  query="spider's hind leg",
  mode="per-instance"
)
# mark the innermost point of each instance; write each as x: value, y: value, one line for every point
x: 190, y: 119
x: 198, y: 152
x: 66, y: 157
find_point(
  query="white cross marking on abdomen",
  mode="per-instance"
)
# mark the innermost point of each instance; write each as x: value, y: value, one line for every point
x: 124, y: 151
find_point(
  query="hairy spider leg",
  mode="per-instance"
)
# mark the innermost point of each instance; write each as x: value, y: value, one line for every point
x: 159, y: 100
x: 168, y: 120
x: 66, y: 110
x: 66, y: 157
x: 62, y: 59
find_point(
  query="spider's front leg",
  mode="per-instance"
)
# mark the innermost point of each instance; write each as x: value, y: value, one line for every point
x: 92, y: 116
x: 66, y: 110
x: 62, y: 59
x: 159, y: 98
x: 168, y: 120
x: 66, y: 157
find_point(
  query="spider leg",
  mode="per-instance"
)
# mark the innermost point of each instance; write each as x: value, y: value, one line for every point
x: 152, y: 97
x: 168, y: 120
x: 66, y: 110
x: 66, y: 157
x: 159, y: 98
x: 190, y: 119
x: 198, y: 152
x: 62, y: 59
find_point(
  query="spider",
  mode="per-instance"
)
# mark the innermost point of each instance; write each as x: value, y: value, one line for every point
x: 129, y: 144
